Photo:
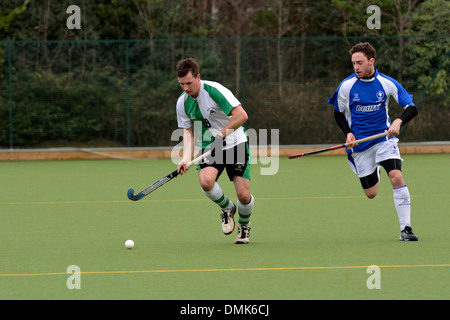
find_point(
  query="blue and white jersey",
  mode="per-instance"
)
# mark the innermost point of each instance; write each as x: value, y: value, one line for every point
x: 364, y: 103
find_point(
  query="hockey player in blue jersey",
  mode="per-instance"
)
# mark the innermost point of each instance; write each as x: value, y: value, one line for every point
x: 361, y: 110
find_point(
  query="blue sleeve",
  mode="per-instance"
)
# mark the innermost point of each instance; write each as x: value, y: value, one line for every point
x: 404, y: 98
x: 333, y: 100
x: 335, y: 97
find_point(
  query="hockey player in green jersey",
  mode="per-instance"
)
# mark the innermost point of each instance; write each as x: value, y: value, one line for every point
x: 212, y: 110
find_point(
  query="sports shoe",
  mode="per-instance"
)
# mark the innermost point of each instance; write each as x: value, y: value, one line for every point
x: 243, y: 235
x: 408, y: 235
x: 227, y: 216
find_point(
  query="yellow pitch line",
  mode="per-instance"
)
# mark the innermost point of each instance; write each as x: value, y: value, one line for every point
x: 223, y: 270
x: 204, y: 199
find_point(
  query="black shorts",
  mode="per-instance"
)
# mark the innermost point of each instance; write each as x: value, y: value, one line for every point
x: 235, y: 160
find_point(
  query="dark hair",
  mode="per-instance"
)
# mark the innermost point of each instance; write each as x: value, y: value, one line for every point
x: 366, y: 48
x: 187, y: 65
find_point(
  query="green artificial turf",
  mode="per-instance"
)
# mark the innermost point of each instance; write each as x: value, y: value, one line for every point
x: 313, y: 235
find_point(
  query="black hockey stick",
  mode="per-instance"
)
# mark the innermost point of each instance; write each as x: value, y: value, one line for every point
x: 162, y: 181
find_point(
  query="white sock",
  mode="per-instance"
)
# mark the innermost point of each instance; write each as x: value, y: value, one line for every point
x: 245, y: 211
x: 216, y: 194
x: 402, y: 203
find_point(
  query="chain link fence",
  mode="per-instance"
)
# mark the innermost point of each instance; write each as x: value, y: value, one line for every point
x: 122, y: 93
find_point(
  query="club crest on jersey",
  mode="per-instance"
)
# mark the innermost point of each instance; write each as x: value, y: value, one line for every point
x: 380, y: 96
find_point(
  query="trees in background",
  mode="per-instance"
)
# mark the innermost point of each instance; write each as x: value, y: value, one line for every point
x: 113, y: 79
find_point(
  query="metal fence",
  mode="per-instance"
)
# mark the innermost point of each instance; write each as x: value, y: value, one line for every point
x: 122, y: 93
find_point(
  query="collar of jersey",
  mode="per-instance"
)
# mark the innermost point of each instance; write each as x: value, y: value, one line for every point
x: 370, y: 79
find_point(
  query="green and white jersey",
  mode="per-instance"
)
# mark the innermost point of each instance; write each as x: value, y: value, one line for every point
x: 210, y: 113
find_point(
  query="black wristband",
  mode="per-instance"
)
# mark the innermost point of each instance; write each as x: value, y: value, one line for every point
x: 409, y: 113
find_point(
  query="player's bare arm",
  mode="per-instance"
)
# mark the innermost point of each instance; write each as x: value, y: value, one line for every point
x: 188, y: 150
x: 237, y: 119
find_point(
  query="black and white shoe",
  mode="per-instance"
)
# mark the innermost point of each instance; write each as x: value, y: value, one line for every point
x: 243, y: 235
x: 408, y: 235
x: 227, y: 217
